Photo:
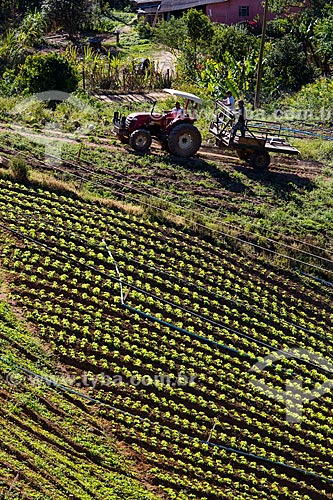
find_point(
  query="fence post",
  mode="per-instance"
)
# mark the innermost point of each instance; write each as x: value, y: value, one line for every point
x: 117, y: 32
x: 84, y: 70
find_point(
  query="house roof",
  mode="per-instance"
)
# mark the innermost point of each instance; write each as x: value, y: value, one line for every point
x: 171, y: 5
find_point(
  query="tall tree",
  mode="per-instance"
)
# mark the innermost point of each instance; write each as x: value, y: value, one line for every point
x: 285, y: 67
x: 323, y: 39
x: 287, y: 6
x: 310, y: 28
x: 199, y: 33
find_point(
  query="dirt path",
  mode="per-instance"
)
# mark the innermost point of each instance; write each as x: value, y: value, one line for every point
x: 280, y: 164
x: 135, y: 97
x: 165, y: 61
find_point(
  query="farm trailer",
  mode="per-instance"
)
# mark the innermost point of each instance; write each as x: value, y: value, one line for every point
x: 261, y: 138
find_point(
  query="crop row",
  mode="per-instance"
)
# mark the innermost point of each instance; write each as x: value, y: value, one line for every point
x: 231, y: 390
x: 187, y: 298
x: 142, y: 232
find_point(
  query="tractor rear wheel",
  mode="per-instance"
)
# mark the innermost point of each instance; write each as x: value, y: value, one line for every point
x: 140, y: 140
x: 184, y: 140
x: 260, y: 160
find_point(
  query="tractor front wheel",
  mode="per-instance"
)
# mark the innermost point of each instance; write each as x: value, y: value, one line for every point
x: 184, y: 140
x: 123, y: 139
x: 260, y: 160
x: 140, y: 140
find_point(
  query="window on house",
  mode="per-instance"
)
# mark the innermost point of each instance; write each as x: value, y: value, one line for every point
x: 244, y: 11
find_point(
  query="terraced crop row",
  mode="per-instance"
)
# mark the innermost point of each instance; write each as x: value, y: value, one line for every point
x: 218, y: 434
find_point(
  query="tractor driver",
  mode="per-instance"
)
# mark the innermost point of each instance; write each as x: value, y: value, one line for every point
x: 178, y: 111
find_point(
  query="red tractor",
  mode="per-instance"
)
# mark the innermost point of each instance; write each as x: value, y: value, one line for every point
x: 175, y: 132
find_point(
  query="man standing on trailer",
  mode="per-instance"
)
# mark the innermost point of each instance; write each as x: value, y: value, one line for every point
x: 240, y: 123
x: 229, y: 101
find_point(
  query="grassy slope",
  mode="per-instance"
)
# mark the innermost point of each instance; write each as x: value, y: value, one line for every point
x: 293, y: 197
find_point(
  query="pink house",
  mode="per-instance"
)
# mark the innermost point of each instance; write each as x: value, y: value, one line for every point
x: 236, y: 11
x: 226, y: 12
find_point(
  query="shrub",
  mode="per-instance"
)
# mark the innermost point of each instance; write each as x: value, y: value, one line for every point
x: 19, y: 170
x: 171, y: 33
x: 313, y: 102
x: 16, y: 43
x: 144, y: 29
x: 286, y: 68
x: 32, y: 30
x: 42, y: 72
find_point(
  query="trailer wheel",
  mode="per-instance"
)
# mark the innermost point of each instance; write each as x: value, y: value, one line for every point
x: 140, y: 140
x: 260, y: 160
x: 184, y: 140
x: 243, y: 155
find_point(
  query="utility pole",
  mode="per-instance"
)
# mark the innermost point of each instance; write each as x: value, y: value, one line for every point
x: 261, y: 54
x: 156, y: 16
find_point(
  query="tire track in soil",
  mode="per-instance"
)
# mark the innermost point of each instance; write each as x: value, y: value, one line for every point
x: 233, y: 192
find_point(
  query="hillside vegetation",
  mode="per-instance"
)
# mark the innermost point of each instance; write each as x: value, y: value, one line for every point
x: 219, y: 270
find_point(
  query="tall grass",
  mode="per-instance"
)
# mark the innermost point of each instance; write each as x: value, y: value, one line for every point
x: 315, y: 149
x: 19, y: 170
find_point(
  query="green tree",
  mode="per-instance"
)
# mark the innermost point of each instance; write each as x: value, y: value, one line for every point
x: 286, y: 6
x: 171, y: 33
x: 311, y: 26
x: 43, y: 72
x: 234, y: 40
x: 69, y: 15
x: 228, y: 61
x: 311, y: 29
x: 323, y: 39
x: 194, y: 42
x: 199, y: 31
x: 191, y: 34
x: 286, y: 68
x: 199, y: 27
